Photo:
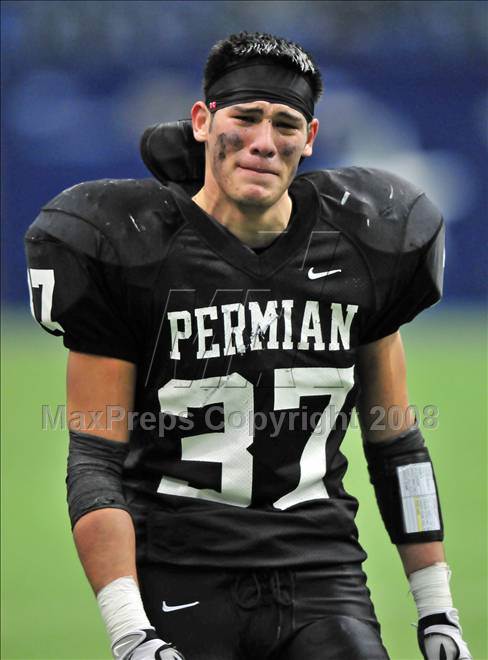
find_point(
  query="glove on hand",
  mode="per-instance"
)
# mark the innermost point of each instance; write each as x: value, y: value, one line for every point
x: 440, y: 637
x: 144, y: 645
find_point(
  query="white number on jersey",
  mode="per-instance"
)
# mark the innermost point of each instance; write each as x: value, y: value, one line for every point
x: 229, y: 447
x: 44, y: 278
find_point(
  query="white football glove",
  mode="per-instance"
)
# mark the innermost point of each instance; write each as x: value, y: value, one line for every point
x: 144, y: 645
x: 440, y: 636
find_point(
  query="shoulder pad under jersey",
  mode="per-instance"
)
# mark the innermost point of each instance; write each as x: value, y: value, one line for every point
x: 378, y: 208
x: 397, y: 231
x: 129, y: 220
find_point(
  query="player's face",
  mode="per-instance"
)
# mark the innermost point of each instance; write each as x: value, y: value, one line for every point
x: 253, y: 150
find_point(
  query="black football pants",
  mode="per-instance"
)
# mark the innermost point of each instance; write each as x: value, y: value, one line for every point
x: 299, y: 614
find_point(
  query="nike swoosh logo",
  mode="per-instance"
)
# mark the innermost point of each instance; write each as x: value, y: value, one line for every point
x: 172, y: 608
x: 315, y: 276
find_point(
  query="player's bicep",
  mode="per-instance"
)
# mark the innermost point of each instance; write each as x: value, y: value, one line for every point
x: 100, y: 395
x: 383, y: 405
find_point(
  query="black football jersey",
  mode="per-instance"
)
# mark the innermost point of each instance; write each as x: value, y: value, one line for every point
x: 245, y: 361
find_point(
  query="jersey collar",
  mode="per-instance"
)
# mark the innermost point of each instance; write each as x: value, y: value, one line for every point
x: 306, y: 203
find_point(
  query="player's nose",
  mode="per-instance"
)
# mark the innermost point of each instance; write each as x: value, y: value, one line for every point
x: 262, y: 142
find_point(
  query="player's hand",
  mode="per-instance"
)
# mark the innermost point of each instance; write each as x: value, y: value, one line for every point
x: 144, y: 645
x: 441, y: 638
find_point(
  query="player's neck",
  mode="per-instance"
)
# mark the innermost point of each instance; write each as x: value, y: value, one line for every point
x: 253, y: 226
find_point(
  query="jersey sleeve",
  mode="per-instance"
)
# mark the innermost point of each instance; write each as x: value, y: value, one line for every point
x: 76, y: 286
x: 415, y: 281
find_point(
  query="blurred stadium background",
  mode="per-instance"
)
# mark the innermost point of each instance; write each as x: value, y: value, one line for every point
x: 405, y: 89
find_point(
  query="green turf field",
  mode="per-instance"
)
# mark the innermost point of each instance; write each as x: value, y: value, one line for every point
x: 48, y: 610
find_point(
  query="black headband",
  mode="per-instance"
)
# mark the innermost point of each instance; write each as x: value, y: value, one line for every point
x: 248, y: 81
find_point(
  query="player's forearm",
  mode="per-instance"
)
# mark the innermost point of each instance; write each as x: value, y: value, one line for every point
x: 416, y: 556
x: 105, y: 541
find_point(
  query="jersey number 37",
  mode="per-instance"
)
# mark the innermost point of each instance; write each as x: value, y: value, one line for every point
x: 230, y: 448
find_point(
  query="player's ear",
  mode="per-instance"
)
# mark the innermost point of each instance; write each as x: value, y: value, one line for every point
x: 312, y: 131
x: 200, y: 118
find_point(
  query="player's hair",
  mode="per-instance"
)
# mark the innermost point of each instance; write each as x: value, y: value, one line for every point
x: 246, y: 45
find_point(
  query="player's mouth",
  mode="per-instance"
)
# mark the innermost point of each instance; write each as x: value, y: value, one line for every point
x: 257, y: 170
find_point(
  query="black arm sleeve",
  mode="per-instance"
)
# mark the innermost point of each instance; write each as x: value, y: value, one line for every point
x: 94, y: 479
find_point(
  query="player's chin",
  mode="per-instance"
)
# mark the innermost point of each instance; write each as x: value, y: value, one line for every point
x: 261, y: 196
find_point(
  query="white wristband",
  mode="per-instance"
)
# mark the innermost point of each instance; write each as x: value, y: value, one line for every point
x: 121, y: 607
x: 430, y: 589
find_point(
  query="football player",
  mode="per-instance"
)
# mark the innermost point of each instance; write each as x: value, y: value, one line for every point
x: 222, y: 319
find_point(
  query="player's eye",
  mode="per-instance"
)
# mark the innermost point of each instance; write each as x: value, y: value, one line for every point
x: 247, y: 119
